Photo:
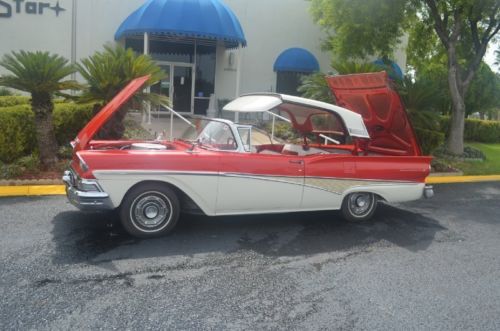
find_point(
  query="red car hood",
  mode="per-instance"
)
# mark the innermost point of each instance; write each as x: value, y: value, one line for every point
x: 93, y: 126
x: 382, y: 109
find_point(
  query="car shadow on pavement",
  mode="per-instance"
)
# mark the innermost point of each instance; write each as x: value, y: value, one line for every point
x: 81, y: 237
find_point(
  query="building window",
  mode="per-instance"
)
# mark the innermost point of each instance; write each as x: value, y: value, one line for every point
x: 288, y: 82
x: 205, y: 77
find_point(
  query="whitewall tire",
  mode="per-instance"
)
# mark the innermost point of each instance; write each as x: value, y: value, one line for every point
x: 150, y: 210
x: 359, y: 206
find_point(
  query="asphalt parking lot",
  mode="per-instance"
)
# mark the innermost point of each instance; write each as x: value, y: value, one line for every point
x: 430, y: 264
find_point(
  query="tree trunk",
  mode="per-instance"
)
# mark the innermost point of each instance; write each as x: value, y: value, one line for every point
x: 114, y: 128
x: 43, y: 106
x: 455, y: 142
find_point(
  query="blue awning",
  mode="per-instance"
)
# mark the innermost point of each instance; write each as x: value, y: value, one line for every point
x: 296, y: 60
x: 203, y: 19
x: 394, y: 69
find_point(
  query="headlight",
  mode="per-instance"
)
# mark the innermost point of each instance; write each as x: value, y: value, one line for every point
x: 87, y: 185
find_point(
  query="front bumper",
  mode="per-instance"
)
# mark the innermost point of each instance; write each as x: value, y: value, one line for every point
x: 94, y: 200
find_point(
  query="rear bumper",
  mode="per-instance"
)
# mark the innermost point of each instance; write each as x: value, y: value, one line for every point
x: 86, y: 200
x: 428, y: 191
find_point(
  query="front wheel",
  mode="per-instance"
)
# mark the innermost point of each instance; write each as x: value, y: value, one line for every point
x: 150, y: 210
x: 359, y: 206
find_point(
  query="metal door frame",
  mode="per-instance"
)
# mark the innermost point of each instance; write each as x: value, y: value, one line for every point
x: 171, y: 82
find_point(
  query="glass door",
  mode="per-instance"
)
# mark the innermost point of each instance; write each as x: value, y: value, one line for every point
x: 177, y: 85
x: 163, y: 87
x: 182, y: 91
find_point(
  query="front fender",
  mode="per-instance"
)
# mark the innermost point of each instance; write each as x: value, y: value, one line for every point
x: 200, y: 187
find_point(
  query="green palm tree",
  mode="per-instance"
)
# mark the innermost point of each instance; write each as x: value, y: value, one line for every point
x: 108, y: 72
x: 315, y: 87
x: 352, y: 67
x: 42, y: 75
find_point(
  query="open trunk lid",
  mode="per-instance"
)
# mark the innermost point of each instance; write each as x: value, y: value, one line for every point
x: 95, y: 124
x: 385, y: 117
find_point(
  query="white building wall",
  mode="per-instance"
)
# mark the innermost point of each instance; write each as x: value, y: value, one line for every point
x: 270, y: 27
x: 96, y: 24
x: 35, y: 32
x: 98, y: 21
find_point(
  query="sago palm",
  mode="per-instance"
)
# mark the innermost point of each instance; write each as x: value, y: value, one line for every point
x: 42, y: 75
x: 352, y: 67
x: 110, y: 71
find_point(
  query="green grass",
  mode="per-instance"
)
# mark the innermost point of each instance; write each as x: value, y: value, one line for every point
x: 491, y: 166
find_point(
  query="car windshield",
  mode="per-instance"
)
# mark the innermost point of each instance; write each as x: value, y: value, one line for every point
x: 211, y: 134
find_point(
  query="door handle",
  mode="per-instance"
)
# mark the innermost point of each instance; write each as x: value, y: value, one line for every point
x: 296, y: 161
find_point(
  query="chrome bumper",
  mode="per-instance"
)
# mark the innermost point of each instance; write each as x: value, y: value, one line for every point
x: 85, y: 200
x: 428, y: 191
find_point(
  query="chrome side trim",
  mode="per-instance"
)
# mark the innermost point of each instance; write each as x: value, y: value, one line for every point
x: 287, y: 180
x: 215, y: 173
x: 154, y: 172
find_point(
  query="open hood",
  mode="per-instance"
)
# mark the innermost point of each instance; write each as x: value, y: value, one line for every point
x: 95, y: 124
x: 383, y: 112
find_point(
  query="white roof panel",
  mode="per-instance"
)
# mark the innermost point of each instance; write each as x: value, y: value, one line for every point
x: 255, y: 103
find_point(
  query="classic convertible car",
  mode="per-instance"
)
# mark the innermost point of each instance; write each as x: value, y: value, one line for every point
x: 346, y: 158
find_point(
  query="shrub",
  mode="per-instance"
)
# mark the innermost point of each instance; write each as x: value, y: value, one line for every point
x: 69, y: 119
x: 17, y: 129
x: 429, y: 140
x: 470, y: 153
x: 9, y: 170
x: 477, y: 130
x: 4, y: 92
x: 427, y: 129
x: 29, y: 163
x: 17, y: 132
x: 9, y: 101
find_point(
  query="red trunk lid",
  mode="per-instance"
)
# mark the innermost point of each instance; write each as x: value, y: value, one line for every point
x: 93, y: 126
x: 372, y: 96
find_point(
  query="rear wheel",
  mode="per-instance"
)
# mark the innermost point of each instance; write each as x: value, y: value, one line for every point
x: 359, y: 206
x: 150, y: 210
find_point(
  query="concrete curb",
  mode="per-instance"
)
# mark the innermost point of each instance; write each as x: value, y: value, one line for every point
x: 32, y: 190
x: 461, y: 179
x: 39, y: 190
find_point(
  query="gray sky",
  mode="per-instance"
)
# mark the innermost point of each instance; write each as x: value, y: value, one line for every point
x: 490, y: 56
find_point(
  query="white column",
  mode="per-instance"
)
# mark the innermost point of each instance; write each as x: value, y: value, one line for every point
x: 193, y: 76
x: 146, y: 52
x: 73, y: 39
x: 238, y: 79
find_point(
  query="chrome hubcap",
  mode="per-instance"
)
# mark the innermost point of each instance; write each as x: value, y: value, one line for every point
x: 360, y: 203
x: 150, y: 210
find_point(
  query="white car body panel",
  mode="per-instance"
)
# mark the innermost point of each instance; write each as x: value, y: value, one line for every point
x: 233, y: 194
x: 244, y: 193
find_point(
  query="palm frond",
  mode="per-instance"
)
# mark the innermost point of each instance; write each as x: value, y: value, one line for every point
x: 36, y: 72
x: 109, y: 71
x: 315, y: 87
x: 352, y: 67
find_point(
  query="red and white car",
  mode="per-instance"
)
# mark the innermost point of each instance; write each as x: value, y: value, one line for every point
x: 349, y: 158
